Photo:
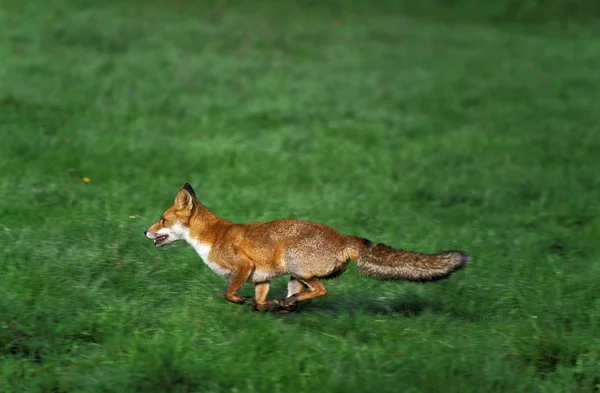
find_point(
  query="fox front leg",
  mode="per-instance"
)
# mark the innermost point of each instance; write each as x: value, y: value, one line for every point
x: 236, y: 280
x: 260, y: 295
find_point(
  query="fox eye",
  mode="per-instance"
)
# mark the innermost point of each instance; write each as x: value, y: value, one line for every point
x: 162, y: 221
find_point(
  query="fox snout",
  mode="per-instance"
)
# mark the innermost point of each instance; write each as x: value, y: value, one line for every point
x: 159, y: 239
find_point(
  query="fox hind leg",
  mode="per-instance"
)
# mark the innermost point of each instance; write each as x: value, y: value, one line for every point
x: 317, y: 289
x: 290, y: 303
x: 295, y: 286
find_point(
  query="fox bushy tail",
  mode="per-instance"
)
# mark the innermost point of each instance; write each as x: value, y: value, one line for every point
x: 386, y: 263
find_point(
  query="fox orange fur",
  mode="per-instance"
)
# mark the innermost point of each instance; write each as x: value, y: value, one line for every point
x: 309, y: 252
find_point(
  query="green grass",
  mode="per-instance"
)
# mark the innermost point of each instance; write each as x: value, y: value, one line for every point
x: 408, y: 130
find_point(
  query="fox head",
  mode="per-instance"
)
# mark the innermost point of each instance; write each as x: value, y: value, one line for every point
x: 173, y: 225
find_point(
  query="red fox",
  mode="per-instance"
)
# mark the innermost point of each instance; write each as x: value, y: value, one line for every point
x: 307, y: 251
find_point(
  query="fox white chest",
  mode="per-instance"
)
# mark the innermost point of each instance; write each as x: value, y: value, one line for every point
x: 203, y: 250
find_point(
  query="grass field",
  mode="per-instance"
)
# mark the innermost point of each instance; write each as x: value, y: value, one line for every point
x: 423, y: 133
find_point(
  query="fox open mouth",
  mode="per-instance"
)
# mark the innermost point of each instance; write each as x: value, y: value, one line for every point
x: 158, y: 241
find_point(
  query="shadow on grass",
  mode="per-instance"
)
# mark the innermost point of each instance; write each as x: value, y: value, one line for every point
x: 408, y: 306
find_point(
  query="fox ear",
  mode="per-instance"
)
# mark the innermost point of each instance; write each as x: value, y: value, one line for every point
x: 188, y: 188
x: 184, y: 200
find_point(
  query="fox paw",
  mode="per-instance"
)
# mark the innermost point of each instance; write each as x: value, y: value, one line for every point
x: 261, y: 307
x: 239, y: 299
x: 246, y: 300
x: 281, y: 307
